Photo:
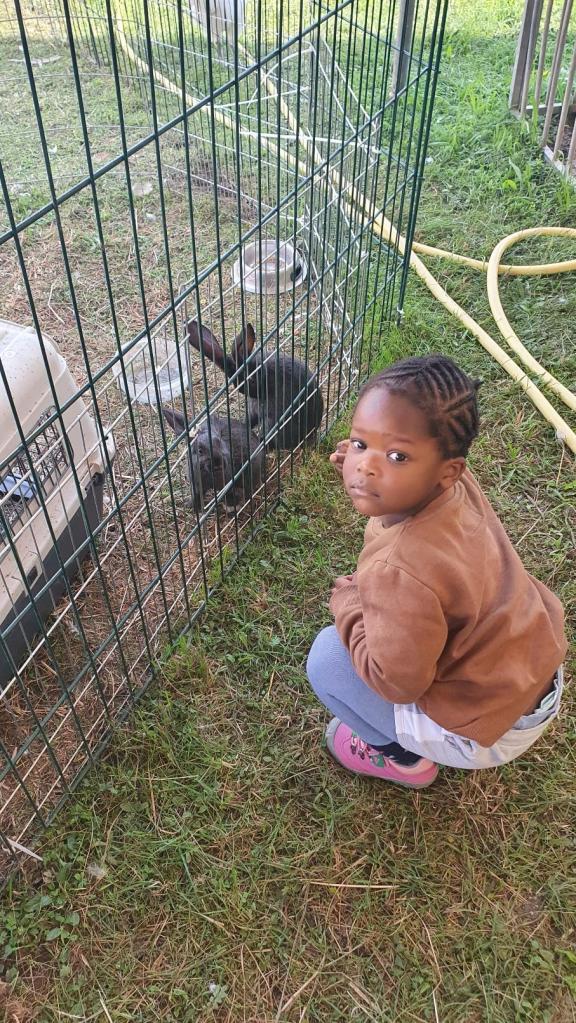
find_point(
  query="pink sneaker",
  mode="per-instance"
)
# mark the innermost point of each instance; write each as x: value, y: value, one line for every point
x: 356, y: 755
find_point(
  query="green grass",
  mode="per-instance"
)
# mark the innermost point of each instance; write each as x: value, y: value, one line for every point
x: 218, y: 867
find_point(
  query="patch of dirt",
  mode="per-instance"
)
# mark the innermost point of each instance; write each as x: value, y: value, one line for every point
x: 13, y: 1009
x: 530, y: 911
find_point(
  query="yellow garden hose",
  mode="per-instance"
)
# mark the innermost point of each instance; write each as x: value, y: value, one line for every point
x: 385, y: 230
x: 568, y: 397
x: 564, y: 432
x: 510, y: 269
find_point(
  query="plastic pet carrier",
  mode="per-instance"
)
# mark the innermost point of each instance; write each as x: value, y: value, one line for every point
x: 52, y: 473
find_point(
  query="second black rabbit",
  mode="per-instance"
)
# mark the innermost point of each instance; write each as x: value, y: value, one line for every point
x: 221, y: 450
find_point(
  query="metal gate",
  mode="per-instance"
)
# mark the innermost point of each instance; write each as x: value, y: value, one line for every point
x: 544, y: 79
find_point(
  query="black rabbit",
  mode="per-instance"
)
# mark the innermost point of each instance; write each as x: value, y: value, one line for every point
x: 283, y: 393
x: 234, y: 450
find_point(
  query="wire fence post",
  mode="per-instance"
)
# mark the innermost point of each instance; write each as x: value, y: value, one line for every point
x: 403, y: 47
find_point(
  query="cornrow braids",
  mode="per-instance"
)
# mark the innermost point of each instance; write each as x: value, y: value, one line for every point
x: 443, y: 392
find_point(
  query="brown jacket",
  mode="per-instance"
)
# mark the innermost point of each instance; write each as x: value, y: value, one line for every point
x: 442, y: 613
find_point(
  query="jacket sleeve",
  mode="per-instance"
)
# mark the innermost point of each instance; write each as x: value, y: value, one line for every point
x: 394, y: 629
x: 343, y: 582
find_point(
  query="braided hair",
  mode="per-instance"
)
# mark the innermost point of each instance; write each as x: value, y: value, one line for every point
x: 442, y: 391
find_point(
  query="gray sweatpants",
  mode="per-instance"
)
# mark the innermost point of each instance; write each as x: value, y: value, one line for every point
x: 342, y: 691
x: 379, y: 723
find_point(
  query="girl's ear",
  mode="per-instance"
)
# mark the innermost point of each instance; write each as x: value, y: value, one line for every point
x: 452, y: 471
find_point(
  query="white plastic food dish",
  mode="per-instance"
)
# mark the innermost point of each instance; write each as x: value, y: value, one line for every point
x: 143, y: 368
x: 270, y: 267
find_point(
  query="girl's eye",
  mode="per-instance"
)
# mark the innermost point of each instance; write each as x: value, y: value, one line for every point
x: 358, y: 444
x: 397, y: 456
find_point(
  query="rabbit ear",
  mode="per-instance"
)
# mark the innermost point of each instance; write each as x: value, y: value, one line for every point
x: 175, y: 419
x: 206, y: 342
x: 244, y: 344
x: 250, y: 338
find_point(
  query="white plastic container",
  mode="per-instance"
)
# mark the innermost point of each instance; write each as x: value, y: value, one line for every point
x: 149, y: 361
x: 29, y: 554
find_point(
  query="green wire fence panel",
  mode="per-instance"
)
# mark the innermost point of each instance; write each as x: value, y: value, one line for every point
x: 190, y: 291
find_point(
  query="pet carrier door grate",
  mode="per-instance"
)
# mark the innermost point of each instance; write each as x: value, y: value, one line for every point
x: 47, y: 508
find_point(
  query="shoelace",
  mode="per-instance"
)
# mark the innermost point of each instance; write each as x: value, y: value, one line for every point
x: 359, y: 747
x: 363, y: 749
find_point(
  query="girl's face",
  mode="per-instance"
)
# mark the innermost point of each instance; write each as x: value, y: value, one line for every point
x: 393, y: 467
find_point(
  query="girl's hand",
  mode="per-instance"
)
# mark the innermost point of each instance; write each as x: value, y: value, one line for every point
x: 337, y: 457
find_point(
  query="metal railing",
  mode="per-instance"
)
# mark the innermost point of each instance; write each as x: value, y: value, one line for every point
x: 544, y: 78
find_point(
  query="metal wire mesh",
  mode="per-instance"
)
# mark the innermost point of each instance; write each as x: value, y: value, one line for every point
x: 171, y: 173
x: 543, y: 86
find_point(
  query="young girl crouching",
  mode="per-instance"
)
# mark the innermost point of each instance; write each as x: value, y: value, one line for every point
x: 444, y: 649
